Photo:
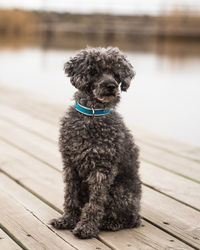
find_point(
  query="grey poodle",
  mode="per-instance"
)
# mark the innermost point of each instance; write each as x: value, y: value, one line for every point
x: 100, y: 158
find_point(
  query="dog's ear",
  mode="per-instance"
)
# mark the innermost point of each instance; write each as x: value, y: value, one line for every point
x: 125, y: 83
x: 126, y: 73
x: 74, y: 69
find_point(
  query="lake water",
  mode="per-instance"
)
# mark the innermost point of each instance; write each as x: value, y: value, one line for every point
x: 106, y: 6
x: 164, y: 98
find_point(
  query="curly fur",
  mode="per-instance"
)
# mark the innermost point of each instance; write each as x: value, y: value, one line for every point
x: 100, y: 158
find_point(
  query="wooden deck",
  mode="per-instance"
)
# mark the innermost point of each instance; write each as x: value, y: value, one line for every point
x: 31, y: 188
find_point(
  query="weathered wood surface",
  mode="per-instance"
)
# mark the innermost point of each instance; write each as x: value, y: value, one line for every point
x: 43, y: 213
x: 6, y: 242
x: 31, y: 188
x: 46, y: 151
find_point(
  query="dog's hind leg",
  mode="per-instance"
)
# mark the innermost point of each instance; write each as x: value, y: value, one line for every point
x: 120, y: 221
x: 122, y: 211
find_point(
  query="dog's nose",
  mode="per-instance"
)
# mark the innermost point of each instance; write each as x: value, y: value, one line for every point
x: 111, y: 86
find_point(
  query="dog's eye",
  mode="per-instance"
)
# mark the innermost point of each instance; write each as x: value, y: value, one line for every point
x: 117, y: 77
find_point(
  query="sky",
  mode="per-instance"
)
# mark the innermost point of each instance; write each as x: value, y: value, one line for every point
x: 105, y: 6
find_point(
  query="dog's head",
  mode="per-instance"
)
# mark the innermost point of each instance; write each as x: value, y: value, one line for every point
x: 100, y: 71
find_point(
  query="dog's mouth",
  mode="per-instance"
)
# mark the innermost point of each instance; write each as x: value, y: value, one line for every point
x: 105, y: 96
x: 113, y: 93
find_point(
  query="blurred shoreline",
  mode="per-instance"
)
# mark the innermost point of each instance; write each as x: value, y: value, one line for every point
x: 176, y: 25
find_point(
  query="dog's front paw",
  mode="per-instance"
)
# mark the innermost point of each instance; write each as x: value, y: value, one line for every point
x: 64, y: 223
x: 85, y: 231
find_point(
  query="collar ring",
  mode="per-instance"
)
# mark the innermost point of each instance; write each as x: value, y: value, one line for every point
x: 93, y: 112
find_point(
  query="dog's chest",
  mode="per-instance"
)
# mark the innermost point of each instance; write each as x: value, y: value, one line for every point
x: 88, y: 142
x: 91, y: 132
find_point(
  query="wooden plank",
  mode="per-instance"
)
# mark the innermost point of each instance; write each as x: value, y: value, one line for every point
x: 44, y: 213
x: 27, y: 122
x: 145, y: 237
x: 34, y: 174
x: 36, y: 146
x: 169, y: 145
x: 47, y: 184
x: 36, y: 106
x: 178, y: 219
x: 173, y: 185
x: 28, y: 229
x: 177, y: 164
x: 6, y: 243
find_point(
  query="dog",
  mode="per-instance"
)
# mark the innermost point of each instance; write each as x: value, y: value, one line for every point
x: 100, y: 158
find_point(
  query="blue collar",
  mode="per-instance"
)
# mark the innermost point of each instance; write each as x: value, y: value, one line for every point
x: 91, y: 112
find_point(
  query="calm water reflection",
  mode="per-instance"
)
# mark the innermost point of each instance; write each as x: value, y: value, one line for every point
x: 164, y: 97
